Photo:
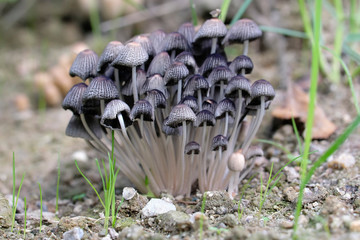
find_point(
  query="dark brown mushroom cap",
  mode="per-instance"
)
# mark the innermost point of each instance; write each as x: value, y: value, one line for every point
x: 154, y: 82
x: 238, y: 83
x: 171, y: 131
x: 258, y: 89
x: 225, y: 106
x: 115, y: 107
x: 160, y: 63
x: 179, y: 114
x: 221, y: 73
x: 75, y: 127
x: 109, y: 54
x: 156, y: 98
x: 156, y: 39
x: 192, y: 148
x: 84, y: 65
x: 210, y: 105
x: 101, y: 88
x: 195, y: 83
x: 144, y: 108
x: 73, y: 99
x: 241, y: 62
x: 191, y: 102
x: 211, y: 28
x: 188, y: 59
x: 211, y: 62
x: 219, y: 142
x: 127, y: 89
x: 175, y: 41
x: 204, y: 116
x: 236, y: 161
x: 175, y: 72
x: 188, y: 31
x: 242, y: 30
x: 145, y: 43
x: 131, y: 55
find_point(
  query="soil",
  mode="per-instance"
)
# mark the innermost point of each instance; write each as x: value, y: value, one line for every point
x: 36, y: 139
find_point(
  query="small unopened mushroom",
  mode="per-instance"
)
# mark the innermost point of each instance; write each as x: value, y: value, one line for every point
x: 236, y: 164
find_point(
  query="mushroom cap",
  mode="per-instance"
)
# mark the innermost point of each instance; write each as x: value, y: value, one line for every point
x: 115, y: 107
x: 225, y: 106
x: 73, y: 99
x: 241, y: 62
x: 109, y: 54
x: 156, y: 98
x: 175, y: 72
x: 101, y: 88
x: 220, y: 73
x: 127, y: 89
x: 145, y: 43
x: 175, y: 41
x: 154, y: 82
x: 236, y: 161
x: 254, y: 151
x: 131, y: 55
x: 171, y: 131
x: 142, y: 107
x: 160, y: 63
x: 219, y: 142
x: 191, y: 102
x: 212, y: 61
x: 237, y: 83
x: 84, y: 65
x: 195, y: 83
x: 156, y: 39
x: 261, y: 88
x: 188, y: 31
x: 210, y: 105
x: 204, y: 116
x: 242, y: 30
x: 75, y: 127
x: 179, y: 114
x: 192, y: 148
x: 188, y: 59
x: 211, y: 28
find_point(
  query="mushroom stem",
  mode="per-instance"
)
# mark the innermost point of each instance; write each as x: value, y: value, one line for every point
x: 226, y: 123
x: 173, y: 55
x: 91, y: 133
x: 221, y: 96
x: 199, y: 99
x: 117, y: 83
x: 179, y: 91
x: 102, y: 106
x: 246, y: 47
x: 189, y: 175
x: 182, y: 163
x: 213, y: 45
x: 238, y: 114
x: 134, y: 84
x: 122, y: 125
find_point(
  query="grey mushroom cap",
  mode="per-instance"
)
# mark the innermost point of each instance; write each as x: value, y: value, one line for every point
x: 225, y: 105
x: 188, y: 31
x: 195, y: 83
x: 175, y: 41
x: 101, y: 88
x: 73, y: 99
x: 211, y: 28
x: 188, y: 59
x: 156, y: 98
x: 145, y: 43
x: 219, y: 142
x: 192, y: 148
x: 160, y: 63
x: 241, y: 62
x: 131, y: 55
x: 156, y: 38
x: 84, y: 65
x: 109, y: 54
x: 154, y: 82
x: 191, y: 102
x: 210, y: 105
x: 127, y: 89
x: 175, y: 72
x: 238, y: 83
x: 221, y: 73
x: 254, y: 151
x: 211, y: 62
x: 242, y: 30
x: 115, y: 107
x: 236, y: 161
x: 142, y: 108
x: 171, y: 131
x: 261, y: 88
x: 204, y: 116
x: 179, y: 114
x: 75, y: 127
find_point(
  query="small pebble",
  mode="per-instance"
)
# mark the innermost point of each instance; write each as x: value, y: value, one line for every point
x: 157, y: 206
x: 286, y: 224
x: 128, y: 193
x: 355, y: 226
x: 74, y: 234
x: 344, y: 161
x: 80, y: 156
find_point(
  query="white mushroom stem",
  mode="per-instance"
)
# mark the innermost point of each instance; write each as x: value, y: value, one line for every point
x: 213, y: 45
x: 134, y: 84
x: 117, y: 83
x: 221, y: 96
x: 182, y: 163
x: 238, y: 114
x: 246, y: 47
x: 122, y: 125
x: 179, y: 90
x: 102, y: 106
x: 173, y: 55
x: 199, y: 99
x: 189, y: 174
x: 92, y: 135
x: 226, y: 123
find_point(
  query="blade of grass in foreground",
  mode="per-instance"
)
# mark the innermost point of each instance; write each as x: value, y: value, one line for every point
x: 284, y: 31
x: 193, y: 13
x: 224, y: 9
x: 241, y: 11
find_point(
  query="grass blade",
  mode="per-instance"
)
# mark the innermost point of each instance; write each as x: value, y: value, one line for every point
x: 224, y: 9
x: 25, y: 217
x: 41, y: 207
x: 193, y: 13
x: 241, y: 11
x: 284, y: 31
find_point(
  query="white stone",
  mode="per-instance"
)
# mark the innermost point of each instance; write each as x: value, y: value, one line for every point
x: 128, y: 193
x: 74, y: 234
x: 80, y: 156
x: 157, y: 206
x: 345, y: 160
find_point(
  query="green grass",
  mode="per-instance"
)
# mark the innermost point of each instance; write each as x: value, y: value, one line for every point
x: 57, y: 187
x: 201, y: 227
x: 25, y: 218
x: 15, y: 199
x: 243, y: 189
x: 41, y: 207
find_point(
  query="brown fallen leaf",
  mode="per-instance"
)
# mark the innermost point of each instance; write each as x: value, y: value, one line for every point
x: 295, y: 104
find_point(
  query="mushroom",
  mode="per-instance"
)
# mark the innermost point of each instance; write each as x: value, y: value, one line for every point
x: 175, y: 75
x: 84, y: 65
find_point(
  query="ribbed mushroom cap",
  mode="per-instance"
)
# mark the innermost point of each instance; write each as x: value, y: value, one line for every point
x: 179, y: 114
x: 159, y: 64
x: 195, y: 83
x: 84, y: 65
x: 101, y: 88
x: 192, y: 148
x: 156, y: 98
x: 156, y: 38
x: 127, y: 89
x: 188, y: 31
x: 221, y: 73
x: 242, y: 30
x: 131, y: 55
x: 238, y: 83
x: 225, y: 105
x: 219, y: 142
x: 191, y: 102
x: 261, y: 88
x: 109, y: 54
x: 241, y: 62
x: 73, y: 99
x: 204, y: 116
x: 236, y: 162
x: 188, y: 59
x: 142, y: 107
x: 210, y: 105
x: 254, y: 151
x: 112, y: 110
x: 175, y: 72
x: 211, y: 62
x: 171, y: 131
x: 75, y: 127
x: 175, y: 41
x: 154, y: 82
x: 211, y: 28
x: 145, y: 43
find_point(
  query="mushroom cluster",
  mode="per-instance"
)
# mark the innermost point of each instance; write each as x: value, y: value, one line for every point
x: 181, y: 114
